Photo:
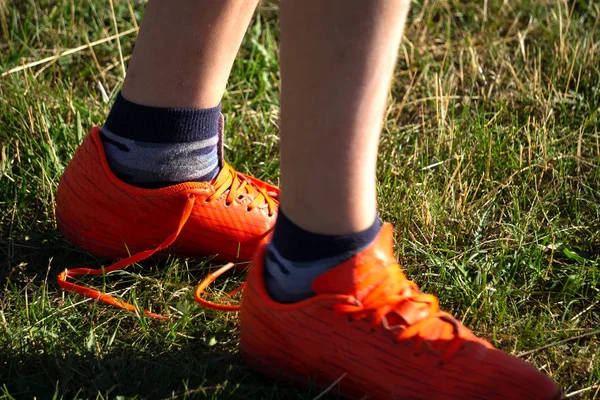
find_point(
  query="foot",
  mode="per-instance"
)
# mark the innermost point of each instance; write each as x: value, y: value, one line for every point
x: 232, y: 214
x: 373, y: 333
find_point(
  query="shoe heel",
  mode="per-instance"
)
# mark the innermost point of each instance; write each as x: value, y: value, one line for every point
x: 80, y: 216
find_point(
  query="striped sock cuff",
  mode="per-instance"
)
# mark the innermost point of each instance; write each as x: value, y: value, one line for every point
x: 152, y: 165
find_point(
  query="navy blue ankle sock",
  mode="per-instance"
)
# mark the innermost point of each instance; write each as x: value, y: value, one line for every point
x: 156, y: 147
x: 295, y: 257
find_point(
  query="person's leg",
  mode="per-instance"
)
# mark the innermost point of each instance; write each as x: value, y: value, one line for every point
x: 184, y: 52
x: 366, y: 331
x: 164, y: 125
x: 337, y: 59
x: 336, y: 67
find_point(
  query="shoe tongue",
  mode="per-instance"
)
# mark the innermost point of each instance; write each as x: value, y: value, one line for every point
x: 349, y: 277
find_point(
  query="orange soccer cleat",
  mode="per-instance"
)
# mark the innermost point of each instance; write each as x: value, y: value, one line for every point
x: 228, y: 217
x: 231, y: 215
x: 371, y: 333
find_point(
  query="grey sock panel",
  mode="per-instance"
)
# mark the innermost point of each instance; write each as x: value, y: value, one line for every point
x: 290, y: 281
x: 147, y: 164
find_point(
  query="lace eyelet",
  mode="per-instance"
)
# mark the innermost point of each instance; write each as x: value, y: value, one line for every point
x: 350, y: 319
x: 248, y: 209
x: 440, y: 364
x: 416, y: 354
x: 227, y: 204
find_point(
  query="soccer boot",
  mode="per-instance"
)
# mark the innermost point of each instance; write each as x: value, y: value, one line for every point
x: 370, y: 333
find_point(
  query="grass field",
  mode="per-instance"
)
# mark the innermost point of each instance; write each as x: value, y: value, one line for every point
x: 489, y: 169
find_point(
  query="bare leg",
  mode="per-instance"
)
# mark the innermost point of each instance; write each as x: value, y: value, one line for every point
x: 366, y: 329
x: 166, y: 127
x: 337, y: 59
x: 184, y: 52
x: 336, y: 67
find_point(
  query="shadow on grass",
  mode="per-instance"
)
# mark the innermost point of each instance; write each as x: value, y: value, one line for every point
x: 181, y: 373
x: 57, y: 361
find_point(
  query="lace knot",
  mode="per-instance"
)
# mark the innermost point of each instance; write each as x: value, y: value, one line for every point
x: 240, y: 187
x: 397, y: 304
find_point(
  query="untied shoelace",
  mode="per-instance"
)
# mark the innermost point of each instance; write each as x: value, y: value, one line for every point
x: 237, y: 185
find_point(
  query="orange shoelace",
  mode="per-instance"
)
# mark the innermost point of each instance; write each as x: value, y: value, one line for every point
x: 210, y: 278
x: 395, y: 294
x: 239, y: 187
x: 229, y: 179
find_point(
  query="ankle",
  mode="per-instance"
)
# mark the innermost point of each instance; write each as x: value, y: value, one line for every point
x: 295, y: 257
x: 155, y: 147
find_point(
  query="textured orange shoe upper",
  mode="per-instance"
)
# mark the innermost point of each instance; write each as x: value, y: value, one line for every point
x: 375, y: 334
x: 378, y: 290
x: 232, y: 215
